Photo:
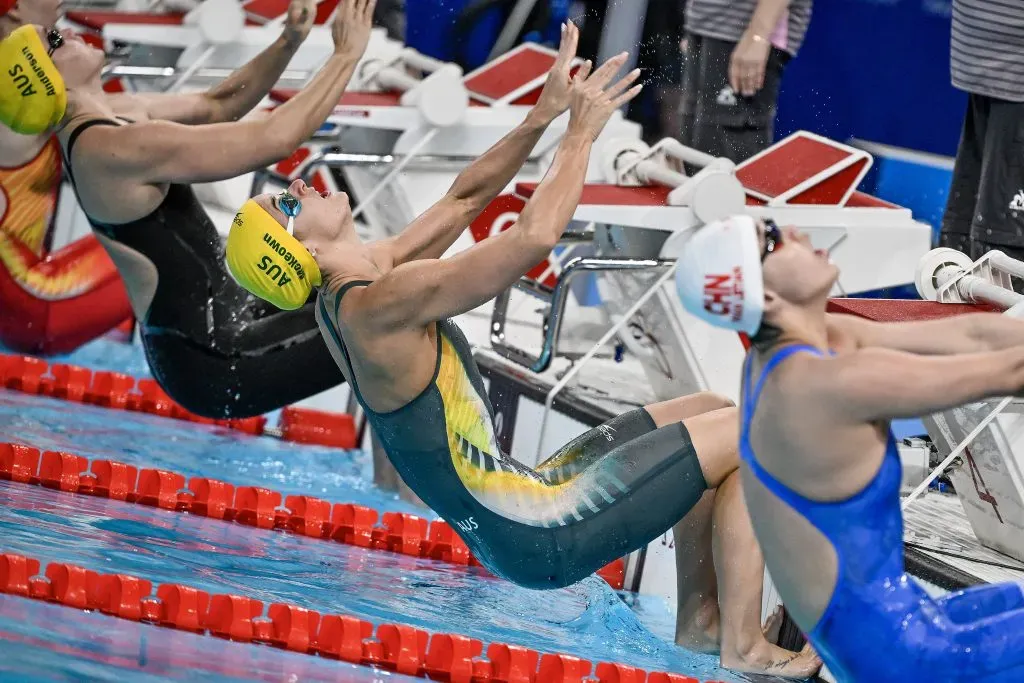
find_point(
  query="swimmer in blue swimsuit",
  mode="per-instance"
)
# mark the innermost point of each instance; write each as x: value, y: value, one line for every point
x: 821, y: 473
x: 384, y: 310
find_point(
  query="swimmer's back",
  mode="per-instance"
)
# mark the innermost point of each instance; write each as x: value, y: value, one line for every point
x: 392, y: 367
x: 791, y: 447
x: 178, y: 255
x: 824, y: 500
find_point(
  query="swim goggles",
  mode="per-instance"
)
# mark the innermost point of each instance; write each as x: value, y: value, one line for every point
x: 55, y: 40
x: 290, y: 206
x: 772, y: 238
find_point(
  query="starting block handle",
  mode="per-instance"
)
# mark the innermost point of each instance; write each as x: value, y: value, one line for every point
x: 390, y: 78
x: 1010, y: 266
x: 689, y: 155
x: 653, y: 172
x: 418, y: 60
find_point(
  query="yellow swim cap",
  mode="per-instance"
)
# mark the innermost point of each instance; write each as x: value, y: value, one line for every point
x: 268, y: 261
x: 32, y: 94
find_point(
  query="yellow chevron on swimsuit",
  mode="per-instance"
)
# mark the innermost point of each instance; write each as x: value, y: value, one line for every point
x: 31, y: 192
x: 492, y: 479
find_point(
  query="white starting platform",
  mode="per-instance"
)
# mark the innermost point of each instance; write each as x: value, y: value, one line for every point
x: 210, y: 39
x: 974, y: 535
x: 805, y: 180
x: 409, y: 124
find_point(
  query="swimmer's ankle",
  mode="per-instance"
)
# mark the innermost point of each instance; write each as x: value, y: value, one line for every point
x: 700, y: 631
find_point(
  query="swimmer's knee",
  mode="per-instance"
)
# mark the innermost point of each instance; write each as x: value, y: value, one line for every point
x: 717, y: 401
x: 685, y: 407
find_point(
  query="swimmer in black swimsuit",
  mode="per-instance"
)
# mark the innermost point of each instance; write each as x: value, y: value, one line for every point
x: 384, y: 309
x: 214, y: 349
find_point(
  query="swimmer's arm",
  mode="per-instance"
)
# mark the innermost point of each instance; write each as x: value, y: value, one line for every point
x: 882, y: 384
x: 432, y: 233
x: 167, y: 152
x: 229, y: 100
x: 970, y: 333
x: 421, y: 292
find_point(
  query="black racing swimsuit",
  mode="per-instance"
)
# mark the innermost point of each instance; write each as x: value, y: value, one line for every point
x: 607, y: 493
x: 213, y: 347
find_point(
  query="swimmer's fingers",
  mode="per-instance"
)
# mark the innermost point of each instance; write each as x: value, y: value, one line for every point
x: 623, y: 83
x: 606, y: 71
x: 583, y: 72
x: 356, y: 9
x: 627, y: 96
x: 368, y: 9
x: 567, y: 48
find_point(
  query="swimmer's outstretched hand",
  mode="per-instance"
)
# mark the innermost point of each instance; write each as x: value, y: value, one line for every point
x: 351, y: 27
x: 299, y: 21
x: 592, y: 99
x: 554, y: 99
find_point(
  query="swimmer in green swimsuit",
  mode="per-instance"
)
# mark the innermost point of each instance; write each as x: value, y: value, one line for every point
x: 384, y: 310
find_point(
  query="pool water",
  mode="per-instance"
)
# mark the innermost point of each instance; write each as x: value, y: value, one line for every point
x: 40, y: 641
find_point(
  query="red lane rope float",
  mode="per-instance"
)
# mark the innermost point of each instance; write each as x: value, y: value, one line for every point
x: 249, y: 505
x: 446, y: 657
x: 31, y: 375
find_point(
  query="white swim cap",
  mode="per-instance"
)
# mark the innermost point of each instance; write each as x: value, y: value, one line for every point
x: 719, y: 277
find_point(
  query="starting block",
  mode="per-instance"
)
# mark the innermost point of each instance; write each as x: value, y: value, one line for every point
x: 431, y: 127
x: 989, y: 476
x: 486, y: 103
x: 213, y: 35
x: 804, y: 180
x: 806, y: 169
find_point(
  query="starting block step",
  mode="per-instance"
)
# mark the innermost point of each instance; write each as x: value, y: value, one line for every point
x: 611, y: 195
x: 901, y: 310
x: 804, y: 169
x: 513, y: 77
x: 98, y: 20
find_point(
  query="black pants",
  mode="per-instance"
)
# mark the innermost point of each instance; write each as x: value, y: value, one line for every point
x: 717, y: 120
x: 985, y: 209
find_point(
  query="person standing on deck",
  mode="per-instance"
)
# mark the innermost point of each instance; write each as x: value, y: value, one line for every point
x: 985, y: 209
x: 735, y: 52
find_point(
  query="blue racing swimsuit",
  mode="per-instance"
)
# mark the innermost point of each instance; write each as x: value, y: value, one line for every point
x: 880, y: 625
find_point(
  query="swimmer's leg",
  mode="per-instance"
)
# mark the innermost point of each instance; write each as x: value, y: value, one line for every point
x: 982, y: 601
x: 594, y: 444
x: 697, y: 617
x: 386, y: 477
x: 740, y: 568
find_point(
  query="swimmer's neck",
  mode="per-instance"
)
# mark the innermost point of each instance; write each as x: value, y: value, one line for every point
x: 339, y: 265
x: 88, y: 102
x: 802, y: 326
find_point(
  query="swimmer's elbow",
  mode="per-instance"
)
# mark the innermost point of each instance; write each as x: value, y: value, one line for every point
x: 537, y: 234
x: 282, y: 143
x: 278, y: 139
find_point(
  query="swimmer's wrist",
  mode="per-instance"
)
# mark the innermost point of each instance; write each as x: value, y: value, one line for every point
x: 577, y: 136
x: 288, y: 41
x: 538, y: 118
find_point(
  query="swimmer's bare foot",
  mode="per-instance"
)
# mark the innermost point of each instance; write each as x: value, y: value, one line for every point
x: 700, y: 631
x: 765, y: 658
